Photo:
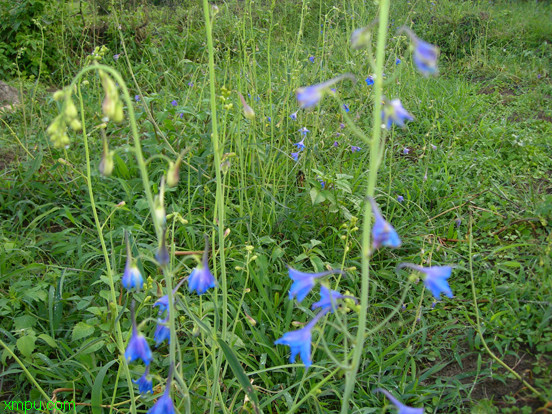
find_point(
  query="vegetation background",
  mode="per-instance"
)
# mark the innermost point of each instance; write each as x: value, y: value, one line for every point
x: 488, y: 115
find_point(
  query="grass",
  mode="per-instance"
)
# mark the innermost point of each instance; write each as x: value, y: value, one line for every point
x: 488, y: 180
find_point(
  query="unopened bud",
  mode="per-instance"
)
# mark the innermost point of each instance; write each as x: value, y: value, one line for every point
x: 58, y: 95
x: 106, y: 164
x: 118, y: 112
x: 70, y: 109
x: 173, y: 173
x: 247, y: 110
x: 75, y: 125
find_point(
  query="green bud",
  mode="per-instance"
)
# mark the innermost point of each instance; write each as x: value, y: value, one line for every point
x: 58, y: 95
x: 70, y: 110
x: 106, y: 164
x: 172, y: 174
x: 118, y: 113
x: 75, y: 125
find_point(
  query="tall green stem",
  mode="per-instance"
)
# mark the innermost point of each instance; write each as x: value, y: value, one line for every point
x: 367, y: 225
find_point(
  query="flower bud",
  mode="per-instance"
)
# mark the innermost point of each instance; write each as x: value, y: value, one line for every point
x: 118, y: 112
x: 75, y: 125
x: 58, y: 95
x: 70, y: 109
x: 173, y: 173
x: 106, y: 164
x: 247, y: 110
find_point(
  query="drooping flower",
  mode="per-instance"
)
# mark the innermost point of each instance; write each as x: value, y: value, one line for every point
x: 137, y: 98
x: 336, y: 144
x: 164, y: 405
x: 247, y: 110
x: 304, y: 131
x: 435, y: 278
x: 163, y: 302
x: 174, y: 103
x: 433, y: 146
x: 355, y: 149
x: 299, y: 341
x: 300, y: 144
x: 137, y: 347
x: 400, y: 199
x: 345, y: 107
x: 295, y: 156
x: 402, y: 409
x: 406, y: 151
x: 398, y: 61
x: 162, y: 332
x: 425, y: 55
x: 383, y: 233
x: 132, y: 278
x: 394, y: 113
x: 304, y: 282
x: 145, y: 385
x: 310, y: 95
x: 293, y: 116
x: 328, y: 299
x: 162, y: 255
x: 369, y: 81
x: 311, y: 58
x: 116, y: 57
x: 201, y: 277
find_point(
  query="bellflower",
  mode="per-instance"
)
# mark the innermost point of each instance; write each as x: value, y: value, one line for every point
x: 355, y: 149
x: 402, y: 409
x: 162, y: 332
x: 132, y: 278
x: 394, y: 113
x: 174, y: 103
x: 406, y: 151
x: 304, y: 131
x: 435, y: 278
x: 345, y: 107
x: 295, y: 156
x: 163, y: 302
x: 145, y: 385
x: 304, y: 282
x: 299, y: 341
x: 293, y: 116
x: 137, y: 98
x: 336, y: 144
x: 369, y: 81
x: 398, y: 61
x: 137, y: 347
x: 400, y: 199
x: 328, y: 299
x: 310, y: 95
x: 116, y: 57
x: 201, y: 277
x: 383, y: 233
x: 164, y: 405
x: 311, y: 58
x: 300, y: 144
x: 425, y: 55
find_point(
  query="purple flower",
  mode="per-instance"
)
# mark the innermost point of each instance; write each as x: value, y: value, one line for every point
x: 300, y: 341
x: 406, y: 151
x: 311, y: 58
x: 304, y: 131
x: 190, y: 84
x: 269, y: 119
x: 400, y: 199
x: 328, y: 299
x: 201, y: 277
x: 164, y: 405
x: 295, y: 156
x: 383, y: 233
x: 144, y: 384
x: 425, y: 54
x: 304, y: 282
x: 336, y: 144
x: 458, y: 222
x: 132, y: 278
x: 433, y: 147
x: 345, y: 107
x: 342, y: 125
x: 300, y: 144
x: 394, y: 113
x: 402, y: 409
x: 163, y: 303
x: 116, y: 57
x: 137, y: 347
x: 310, y: 95
x: 338, y: 134
x: 397, y: 61
x: 137, y: 98
x: 369, y: 81
x: 174, y: 103
x: 162, y: 332
x: 435, y: 278
x: 181, y: 115
x: 293, y: 116
x: 355, y: 149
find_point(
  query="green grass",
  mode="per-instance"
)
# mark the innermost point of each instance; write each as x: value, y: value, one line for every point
x: 487, y: 114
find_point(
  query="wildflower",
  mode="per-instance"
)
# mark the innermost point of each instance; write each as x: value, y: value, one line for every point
x: 435, y: 278
x: 304, y: 131
x: 162, y: 332
x: 181, y: 115
x: 144, y: 384
x: 369, y: 80
x: 406, y: 151
x: 322, y: 183
x: 311, y: 58
x: 163, y: 302
x: 336, y: 144
x: 400, y: 199
x: 345, y: 107
x: 403, y: 409
x: 137, y: 98
x: 360, y: 38
x: 132, y: 278
x: 397, y: 61
x: 394, y: 113
x: 300, y: 341
x: 304, y: 282
x: 383, y: 233
x: 201, y: 277
x: 300, y: 144
x: 190, y: 84
x: 328, y: 299
x: 116, y: 57
x: 247, y: 110
x: 433, y: 147
x: 137, y: 347
x: 458, y: 222
x: 310, y: 95
x: 342, y: 125
x: 174, y: 103
x: 293, y: 116
x: 269, y: 119
x: 162, y: 255
x: 355, y: 149
x: 425, y: 54
x: 164, y: 404
x: 338, y: 134
x: 295, y: 156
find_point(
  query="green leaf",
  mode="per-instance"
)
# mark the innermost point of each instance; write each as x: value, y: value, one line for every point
x: 240, y: 374
x: 316, y: 196
x: 48, y: 339
x: 24, y: 322
x: 96, y: 399
x: 26, y: 345
x: 82, y: 330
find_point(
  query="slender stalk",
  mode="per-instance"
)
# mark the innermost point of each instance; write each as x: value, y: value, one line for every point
x: 372, y: 177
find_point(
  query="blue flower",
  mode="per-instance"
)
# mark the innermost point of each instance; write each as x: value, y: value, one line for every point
x: 304, y: 282
x: 300, y: 341
x: 295, y: 156
x: 138, y: 347
x: 201, y: 277
x: 397, y: 61
x: 181, y: 115
x: 164, y: 405
x: 132, y: 278
x: 394, y: 113
x: 383, y: 233
x: 328, y: 299
x: 162, y: 255
x: 293, y: 116
x: 310, y: 95
x: 300, y: 144
x: 137, y: 98
x: 435, y: 278
x: 163, y: 304
x: 311, y: 58
x: 336, y: 144
x: 174, y: 103
x: 144, y: 384
x: 355, y: 149
x: 116, y: 57
x: 369, y: 81
x: 162, y: 332
x: 304, y: 131
x: 400, y: 199
x: 345, y: 107
x: 406, y: 151
x: 342, y: 125
x: 190, y: 84
x: 425, y: 54
x: 402, y: 409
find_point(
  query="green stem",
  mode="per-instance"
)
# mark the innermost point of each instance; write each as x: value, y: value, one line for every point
x: 374, y: 155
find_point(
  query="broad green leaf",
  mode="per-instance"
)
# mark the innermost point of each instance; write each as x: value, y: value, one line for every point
x: 26, y: 345
x: 48, y: 339
x: 82, y: 330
